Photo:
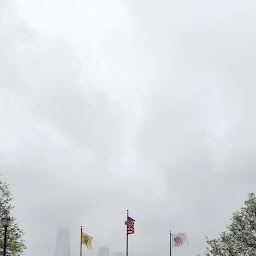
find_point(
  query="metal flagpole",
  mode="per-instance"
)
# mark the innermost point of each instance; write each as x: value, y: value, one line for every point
x: 170, y: 243
x: 127, y: 235
x: 81, y: 241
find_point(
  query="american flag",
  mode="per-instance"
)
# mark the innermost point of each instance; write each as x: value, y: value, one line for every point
x: 130, y: 225
x: 180, y: 239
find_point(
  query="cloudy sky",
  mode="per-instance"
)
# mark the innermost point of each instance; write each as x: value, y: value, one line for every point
x: 113, y: 105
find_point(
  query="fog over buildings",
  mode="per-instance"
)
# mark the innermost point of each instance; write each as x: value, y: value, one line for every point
x: 103, y: 251
x: 63, y: 245
x: 118, y: 254
x: 113, y: 105
x: 63, y: 242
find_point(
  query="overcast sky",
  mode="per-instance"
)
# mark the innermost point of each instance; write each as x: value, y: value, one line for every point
x: 113, y: 105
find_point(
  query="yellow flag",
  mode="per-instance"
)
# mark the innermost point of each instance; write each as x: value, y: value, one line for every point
x: 86, y: 240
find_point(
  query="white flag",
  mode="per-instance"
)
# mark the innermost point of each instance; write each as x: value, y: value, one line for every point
x: 179, y: 239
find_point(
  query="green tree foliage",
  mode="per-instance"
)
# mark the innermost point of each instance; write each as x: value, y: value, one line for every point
x: 15, y: 242
x: 240, y: 237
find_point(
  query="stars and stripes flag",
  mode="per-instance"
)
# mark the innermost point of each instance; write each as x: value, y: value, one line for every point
x: 130, y: 225
x: 179, y: 239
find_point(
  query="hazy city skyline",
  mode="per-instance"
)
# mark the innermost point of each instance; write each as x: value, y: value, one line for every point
x: 63, y: 245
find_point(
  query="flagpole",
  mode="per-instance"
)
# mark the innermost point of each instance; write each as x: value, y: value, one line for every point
x: 81, y: 241
x: 170, y: 243
x: 127, y: 235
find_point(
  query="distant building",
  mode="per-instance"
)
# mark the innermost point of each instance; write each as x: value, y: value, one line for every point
x: 103, y: 251
x: 118, y: 254
x: 63, y: 242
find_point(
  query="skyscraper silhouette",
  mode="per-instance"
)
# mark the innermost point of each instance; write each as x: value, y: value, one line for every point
x: 63, y: 242
x: 103, y: 251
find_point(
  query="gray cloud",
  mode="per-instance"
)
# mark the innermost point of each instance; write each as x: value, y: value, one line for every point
x: 112, y: 106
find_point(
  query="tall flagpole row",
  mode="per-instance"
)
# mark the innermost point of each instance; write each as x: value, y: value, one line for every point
x: 132, y: 231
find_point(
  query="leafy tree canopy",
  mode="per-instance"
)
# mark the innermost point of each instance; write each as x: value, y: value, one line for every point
x: 15, y: 242
x: 240, y: 237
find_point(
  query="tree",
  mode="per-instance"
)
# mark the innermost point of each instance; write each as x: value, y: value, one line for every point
x: 15, y: 242
x: 240, y: 237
